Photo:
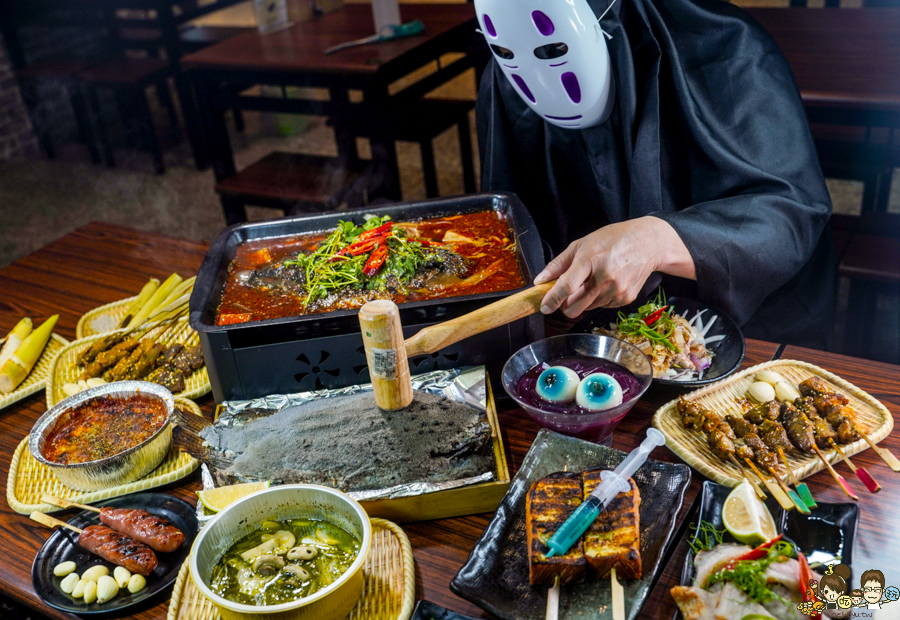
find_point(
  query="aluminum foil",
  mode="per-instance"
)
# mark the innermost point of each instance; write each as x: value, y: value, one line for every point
x: 465, y: 385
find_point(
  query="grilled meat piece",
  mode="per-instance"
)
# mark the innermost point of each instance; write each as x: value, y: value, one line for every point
x: 121, y: 369
x: 155, y: 532
x: 774, y: 436
x: 720, y: 444
x: 170, y: 354
x: 823, y: 432
x: 97, y: 347
x: 763, y: 412
x: 824, y: 402
x: 743, y: 451
x: 170, y: 378
x: 145, y: 364
x: 814, y: 386
x: 740, y: 426
x: 118, y: 549
x: 691, y: 413
x: 551, y: 500
x: 842, y: 419
x: 798, y: 426
x: 189, y: 359
x: 805, y: 404
x: 613, y: 539
x: 763, y: 457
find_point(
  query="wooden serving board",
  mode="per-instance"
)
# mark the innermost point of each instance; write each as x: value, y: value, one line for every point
x: 724, y: 397
x: 29, y: 479
x: 389, y: 582
x: 66, y: 370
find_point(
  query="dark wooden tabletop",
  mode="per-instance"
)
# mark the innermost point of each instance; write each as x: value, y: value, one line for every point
x: 98, y: 264
x: 842, y: 58
x: 301, y: 47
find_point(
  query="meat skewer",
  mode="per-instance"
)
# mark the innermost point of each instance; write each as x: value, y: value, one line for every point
x: 861, y: 473
x: 819, y: 388
x: 802, y: 490
x: 719, y: 435
x: 154, y: 531
x: 109, y: 544
x: 761, y: 454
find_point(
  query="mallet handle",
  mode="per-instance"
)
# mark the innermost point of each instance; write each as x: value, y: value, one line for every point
x: 518, y: 306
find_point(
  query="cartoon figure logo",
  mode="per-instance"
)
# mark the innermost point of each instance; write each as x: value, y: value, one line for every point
x: 829, y: 595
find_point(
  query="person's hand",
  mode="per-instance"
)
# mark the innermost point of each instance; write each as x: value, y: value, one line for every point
x: 608, y: 267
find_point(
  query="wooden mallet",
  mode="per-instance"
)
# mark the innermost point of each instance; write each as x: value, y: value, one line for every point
x: 387, y: 353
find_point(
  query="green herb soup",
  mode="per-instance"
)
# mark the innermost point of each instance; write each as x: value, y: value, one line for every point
x: 284, y: 561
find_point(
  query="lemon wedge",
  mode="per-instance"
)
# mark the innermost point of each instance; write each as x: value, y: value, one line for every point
x: 746, y: 517
x: 220, y: 497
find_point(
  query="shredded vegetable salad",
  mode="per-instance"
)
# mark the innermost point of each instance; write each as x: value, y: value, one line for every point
x: 676, y: 346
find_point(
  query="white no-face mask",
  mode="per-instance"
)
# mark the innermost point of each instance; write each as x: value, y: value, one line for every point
x: 554, y: 55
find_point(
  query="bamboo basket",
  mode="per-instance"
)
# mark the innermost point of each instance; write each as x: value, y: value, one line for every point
x: 103, y: 319
x: 66, y: 370
x: 389, y: 584
x: 39, y: 376
x: 29, y: 480
x: 724, y: 397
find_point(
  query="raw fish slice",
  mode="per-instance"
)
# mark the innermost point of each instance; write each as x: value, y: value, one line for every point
x: 734, y: 604
x: 784, y: 611
x: 708, y: 562
x: 785, y: 573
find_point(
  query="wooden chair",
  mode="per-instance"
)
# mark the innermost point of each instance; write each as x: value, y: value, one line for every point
x: 871, y: 261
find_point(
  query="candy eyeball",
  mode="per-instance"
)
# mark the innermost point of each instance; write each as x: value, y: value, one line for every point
x: 599, y: 391
x: 557, y: 384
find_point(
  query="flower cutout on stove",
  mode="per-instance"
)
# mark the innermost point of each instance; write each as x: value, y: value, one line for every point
x: 310, y: 378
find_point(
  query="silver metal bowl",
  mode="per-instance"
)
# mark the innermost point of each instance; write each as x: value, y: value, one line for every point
x: 122, y: 468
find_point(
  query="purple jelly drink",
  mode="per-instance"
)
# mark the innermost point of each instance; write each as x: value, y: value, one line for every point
x: 569, y: 418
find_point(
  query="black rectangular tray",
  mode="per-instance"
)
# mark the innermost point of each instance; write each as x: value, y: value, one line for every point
x: 318, y: 351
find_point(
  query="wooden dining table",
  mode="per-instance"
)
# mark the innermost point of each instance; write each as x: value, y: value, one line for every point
x: 102, y: 263
x: 296, y: 57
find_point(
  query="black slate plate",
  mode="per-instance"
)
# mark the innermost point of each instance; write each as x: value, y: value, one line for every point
x: 495, y: 576
x: 729, y: 352
x: 63, y: 546
x: 426, y: 610
x: 825, y: 535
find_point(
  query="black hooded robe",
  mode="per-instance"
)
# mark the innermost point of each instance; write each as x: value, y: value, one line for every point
x: 707, y: 133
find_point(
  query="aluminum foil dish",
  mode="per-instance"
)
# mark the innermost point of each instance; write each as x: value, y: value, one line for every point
x: 115, y: 466
x: 405, y: 457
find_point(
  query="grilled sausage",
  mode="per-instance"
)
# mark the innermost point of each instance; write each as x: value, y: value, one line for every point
x: 154, y: 531
x: 118, y: 549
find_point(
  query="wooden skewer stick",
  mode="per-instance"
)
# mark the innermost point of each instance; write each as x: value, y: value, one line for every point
x: 746, y: 477
x: 64, y: 503
x: 837, y: 477
x: 802, y: 490
x: 801, y: 507
x: 886, y: 455
x: 50, y: 522
x: 553, y: 600
x: 618, y: 596
x: 387, y: 353
x: 780, y: 496
x: 861, y: 473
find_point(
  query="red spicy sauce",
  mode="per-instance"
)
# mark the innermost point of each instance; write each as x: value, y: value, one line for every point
x: 483, y: 237
x: 103, y: 427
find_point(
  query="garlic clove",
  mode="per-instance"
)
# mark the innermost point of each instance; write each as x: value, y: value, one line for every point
x: 65, y: 568
x: 761, y: 392
x: 107, y: 588
x: 136, y: 583
x: 94, y: 573
x: 786, y: 392
x: 78, y: 592
x: 68, y: 584
x: 90, y: 592
x: 121, y: 575
x: 768, y: 376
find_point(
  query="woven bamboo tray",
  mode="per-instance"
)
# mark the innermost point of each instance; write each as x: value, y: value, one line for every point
x: 66, y: 370
x: 38, y: 377
x: 28, y: 479
x: 723, y: 398
x: 389, y: 584
x: 103, y: 319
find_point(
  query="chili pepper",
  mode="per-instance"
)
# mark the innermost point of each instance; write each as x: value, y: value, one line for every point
x: 380, y: 230
x: 375, y: 261
x: 806, y: 579
x: 756, y: 554
x: 428, y: 243
x: 653, y: 317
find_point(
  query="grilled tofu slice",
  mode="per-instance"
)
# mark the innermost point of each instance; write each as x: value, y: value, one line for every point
x: 550, y: 502
x: 613, y: 539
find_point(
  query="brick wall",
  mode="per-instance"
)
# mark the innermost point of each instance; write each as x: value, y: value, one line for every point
x: 16, y: 136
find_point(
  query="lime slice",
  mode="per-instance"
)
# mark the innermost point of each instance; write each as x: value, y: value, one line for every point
x: 746, y: 517
x: 220, y: 497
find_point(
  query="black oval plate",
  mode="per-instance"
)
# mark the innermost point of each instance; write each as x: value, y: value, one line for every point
x: 825, y: 535
x: 729, y: 352
x: 63, y: 546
